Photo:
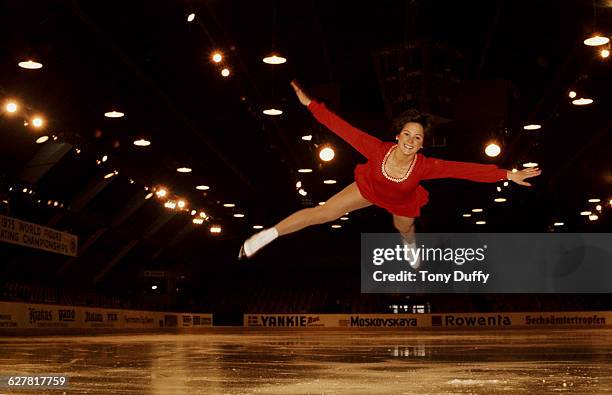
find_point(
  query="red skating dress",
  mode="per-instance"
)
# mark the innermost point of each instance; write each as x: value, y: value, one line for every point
x: 401, y: 198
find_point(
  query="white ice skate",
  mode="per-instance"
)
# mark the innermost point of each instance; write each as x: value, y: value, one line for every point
x: 257, y: 242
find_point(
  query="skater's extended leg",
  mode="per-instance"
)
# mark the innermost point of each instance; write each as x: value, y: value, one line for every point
x: 345, y: 201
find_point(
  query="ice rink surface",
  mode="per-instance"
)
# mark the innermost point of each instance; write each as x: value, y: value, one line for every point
x: 235, y: 361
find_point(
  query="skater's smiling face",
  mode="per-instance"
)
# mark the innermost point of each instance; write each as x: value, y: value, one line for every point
x: 410, y: 138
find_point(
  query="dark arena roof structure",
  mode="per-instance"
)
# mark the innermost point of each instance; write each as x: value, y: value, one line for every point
x: 482, y: 70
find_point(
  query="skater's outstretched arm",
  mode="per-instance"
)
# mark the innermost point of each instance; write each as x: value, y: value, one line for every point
x: 358, y: 139
x: 438, y: 168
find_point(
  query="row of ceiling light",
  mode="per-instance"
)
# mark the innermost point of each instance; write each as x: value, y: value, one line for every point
x: 326, y: 153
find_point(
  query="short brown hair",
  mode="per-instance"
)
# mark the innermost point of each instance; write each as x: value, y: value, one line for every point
x: 410, y: 115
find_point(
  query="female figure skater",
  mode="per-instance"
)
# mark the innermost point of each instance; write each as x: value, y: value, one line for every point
x: 390, y: 178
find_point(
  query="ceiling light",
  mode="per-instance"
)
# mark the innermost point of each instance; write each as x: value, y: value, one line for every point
x: 492, y: 150
x: 336, y: 226
x: 272, y: 111
x: 193, y: 212
x: 506, y: 182
x: 197, y: 221
x: 202, y: 187
x: 104, y: 158
x: 257, y: 227
x: 149, y: 195
x: 302, y: 192
x: 307, y: 137
x: 162, y: 192
x: 203, y: 215
x: 113, y: 114
x: 181, y: 204
x: 594, y: 200
x: 572, y: 94
x: 467, y: 215
x: 274, y: 59
x: 344, y: 218
x: 298, y: 184
x: 184, y: 170
x: 190, y: 17
x: 238, y: 215
x: 11, y: 107
x: 582, y: 101
x: 558, y: 224
x: 142, y: 143
x: 530, y: 164
x: 598, y: 207
x: 498, y: 189
x: 326, y: 154
x: 585, y: 213
x: 596, y: 40
x: 304, y: 170
x: 329, y: 182
x: 171, y: 204
x: 499, y: 200
x: 593, y: 217
x: 30, y: 64
x: 109, y: 175
x: 215, y: 229
x: 604, y: 53
x: 153, y: 287
x: 229, y: 205
x: 321, y: 203
x: 225, y: 72
x: 217, y: 57
x: 37, y: 122
x: 477, y: 210
x: 532, y: 126
x: 42, y: 139
x: 481, y: 222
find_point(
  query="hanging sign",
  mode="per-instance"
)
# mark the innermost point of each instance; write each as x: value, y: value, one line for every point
x: 27, y: 234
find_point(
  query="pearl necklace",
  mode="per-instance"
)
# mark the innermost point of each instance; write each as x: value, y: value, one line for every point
x: 387, y: 176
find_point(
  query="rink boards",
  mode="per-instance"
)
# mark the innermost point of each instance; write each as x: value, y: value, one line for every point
x: 585, y: 319
x: 16, y: 316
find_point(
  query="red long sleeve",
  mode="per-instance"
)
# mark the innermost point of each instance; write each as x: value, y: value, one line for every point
x: 358, y: 139
x: 438, y: 168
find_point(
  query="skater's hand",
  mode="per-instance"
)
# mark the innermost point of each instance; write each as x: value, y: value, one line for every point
x: 304, y: 99
x: 520, y: 176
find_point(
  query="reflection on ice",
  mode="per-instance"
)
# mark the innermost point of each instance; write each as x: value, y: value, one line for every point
x: 331, y: 362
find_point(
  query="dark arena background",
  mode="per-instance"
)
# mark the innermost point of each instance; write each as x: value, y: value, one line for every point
x: 136, y: 158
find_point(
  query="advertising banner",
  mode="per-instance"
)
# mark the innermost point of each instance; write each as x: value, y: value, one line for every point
x: 586, y: 319
x: 17, y: 315
x: 27, y: 234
